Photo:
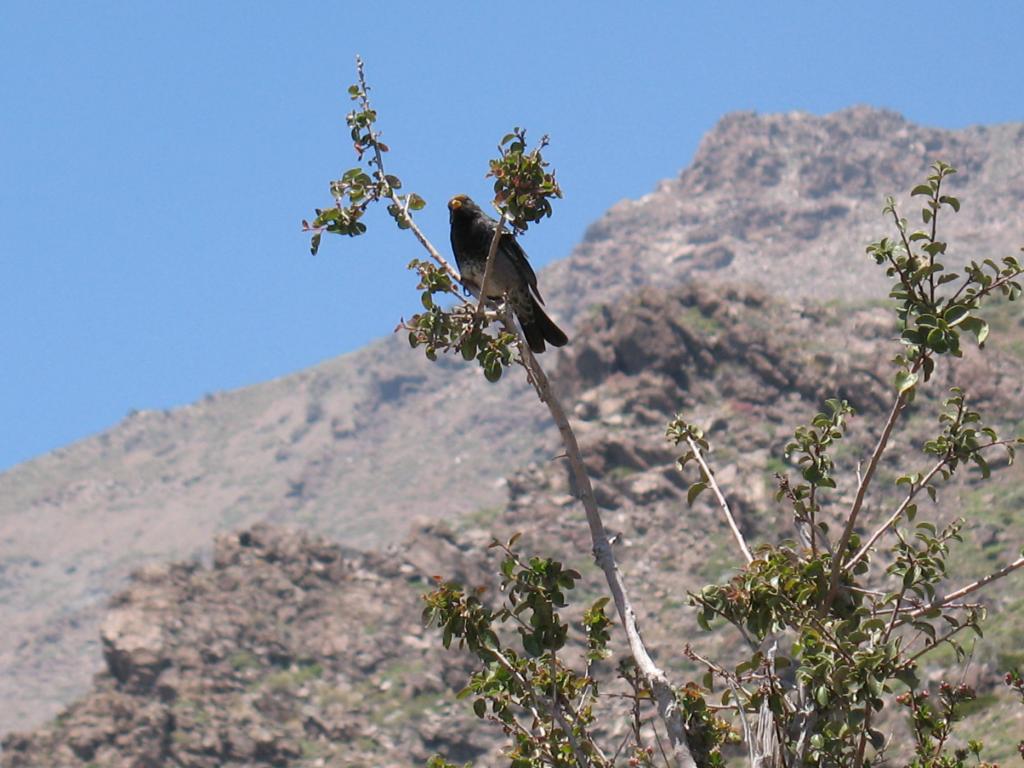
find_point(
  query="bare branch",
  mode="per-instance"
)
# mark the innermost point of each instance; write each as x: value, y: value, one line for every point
x: 972, y: 587
x: 434, y: 253
x: 664, y: 693
x: 891, y: 520
x: 722, y: 502
x: 858, y: 502
x: 378, y: 160
x: 937, y: 642
x: 495, y: 239
x: 747, y: 736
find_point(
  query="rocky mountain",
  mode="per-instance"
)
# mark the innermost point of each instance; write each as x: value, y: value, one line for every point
x: 291, y: 651
x: 357, y: 447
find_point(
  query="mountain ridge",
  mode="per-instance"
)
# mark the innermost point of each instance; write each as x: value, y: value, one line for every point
x: 288, y: 650
x: 786, y: 202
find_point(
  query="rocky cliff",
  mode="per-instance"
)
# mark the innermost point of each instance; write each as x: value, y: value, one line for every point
x: 785, y: 202
x: 290, y: 651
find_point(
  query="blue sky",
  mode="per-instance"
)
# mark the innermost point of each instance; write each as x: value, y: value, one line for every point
x: 156, y: 158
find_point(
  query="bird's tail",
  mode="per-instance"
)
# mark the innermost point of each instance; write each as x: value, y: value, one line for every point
x: 540, y: 328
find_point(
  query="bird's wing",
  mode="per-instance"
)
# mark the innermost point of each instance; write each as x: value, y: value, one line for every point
x: 515, y: 253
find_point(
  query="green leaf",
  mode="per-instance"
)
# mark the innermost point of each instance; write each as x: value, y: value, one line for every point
x: 982, y: 465
x: 955, y: 315
x: 983, y: 333
x: 924, y: 626
x: 416, y: 203
x: 695, y: 490
x: 821, y: 696
x: 905, y: 380
x: 937, y: 340
x: 921, y: 189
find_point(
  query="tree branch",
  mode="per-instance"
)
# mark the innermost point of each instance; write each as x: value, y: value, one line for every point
x: 906, y: 502
x: 434, y: 254
x: 581, y: 759
x: 495, y: 239
x: 858, y: 502
x: 378, y: 160
x: 895, y: 515
x: 709, y: 476
x: 663, y: 692
x: 972, y: 587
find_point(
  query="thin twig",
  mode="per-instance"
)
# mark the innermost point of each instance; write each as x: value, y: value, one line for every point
x: 657, y: 740
x: 556, y: 713
x: 986, y: 290
x: 723, y: 673
x: 891, y: 520
x: 554, y: 683
x: 915, y: 605
x: 931, y: 239
x: 913, y: 493
x: 527, y: 688
x: 495, y: 239
x: 858, y: 502
x: 434, y: 254
x: 739, y: 627
x: 765, y: 746
x: 972, y: 587
x: 513, y: 724
x: 743, y: 721
x: 581, y: 758
x: 378, y: 160
x: 722, y: 502
x: 862, y: 745
x: 939, y: 641
x: 664, y: 693
x: 622, y: 743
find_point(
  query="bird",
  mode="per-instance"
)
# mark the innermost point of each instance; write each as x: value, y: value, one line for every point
x: 511, y: 274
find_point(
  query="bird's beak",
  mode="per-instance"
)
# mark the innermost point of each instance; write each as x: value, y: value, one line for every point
x: 455, y: 203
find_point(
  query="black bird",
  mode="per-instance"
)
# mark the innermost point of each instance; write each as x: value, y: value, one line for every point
x: 511, y: 273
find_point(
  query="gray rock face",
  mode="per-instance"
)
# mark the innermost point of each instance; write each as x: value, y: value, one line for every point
x: 285, y: 651
x: 358, y: 446
x: 292, y: 651
x: 788, y: 202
